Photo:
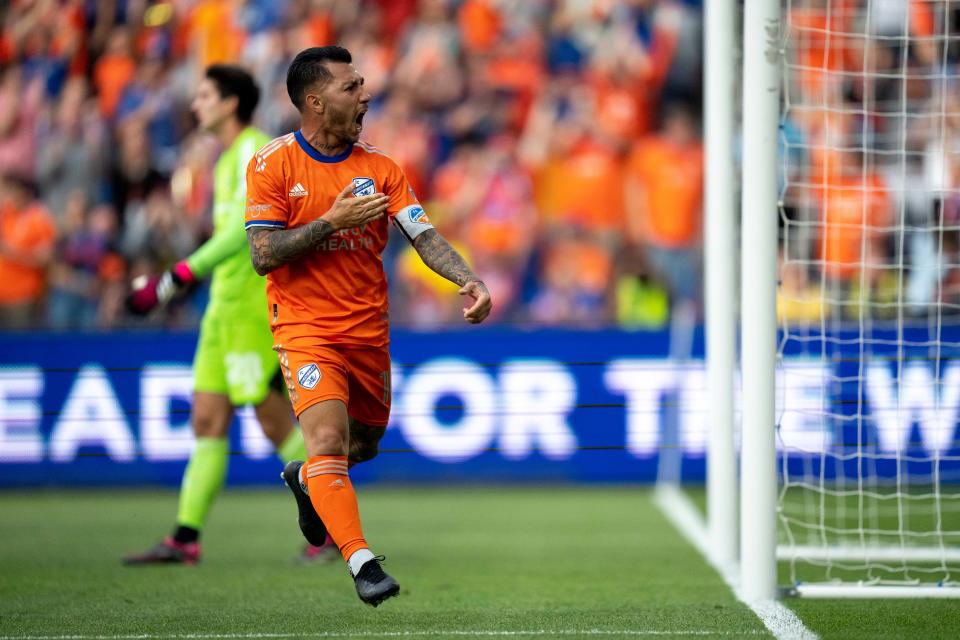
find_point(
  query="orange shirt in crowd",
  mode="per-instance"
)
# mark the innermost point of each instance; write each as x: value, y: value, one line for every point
x: 68, y: 40
x: 579, y: 264
x: 111, y: 75
x: 214, y: 33
x: 670, y: 181
x: 854, y: 208
x: 337, y: 294
x: 820, y: 47
x: 480, y: 24
x: 517, y: 69
x: 828, y: 160
x: 503, y: 223
x: 623, y: 111
x: 582, y: 188
x: 922, y: 21
x: 319, y: 26
x: 23, y: 233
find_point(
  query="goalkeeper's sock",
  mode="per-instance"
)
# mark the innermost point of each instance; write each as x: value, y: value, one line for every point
x: 292, y: 447
x: 202, y: 481
x: 186, y: 535
x: 335, y: 501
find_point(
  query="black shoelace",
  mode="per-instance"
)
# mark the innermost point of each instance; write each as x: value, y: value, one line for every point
x: 372, y: 571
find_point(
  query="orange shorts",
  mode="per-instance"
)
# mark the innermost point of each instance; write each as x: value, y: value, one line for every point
x: 359, y: 376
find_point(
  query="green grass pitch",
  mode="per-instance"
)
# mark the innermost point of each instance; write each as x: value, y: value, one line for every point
x: 472, y: 562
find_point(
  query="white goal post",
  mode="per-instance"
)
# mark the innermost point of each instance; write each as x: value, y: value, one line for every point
x: 849, y: 259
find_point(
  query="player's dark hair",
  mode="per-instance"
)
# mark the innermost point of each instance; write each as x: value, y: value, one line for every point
x: 234, y: 81
x: 310, y: 67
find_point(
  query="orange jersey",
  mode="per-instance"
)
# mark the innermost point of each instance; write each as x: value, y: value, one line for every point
x: 855, y: 211
x: 337, y: 294
x: 672, y: 176
x: 25, y: 233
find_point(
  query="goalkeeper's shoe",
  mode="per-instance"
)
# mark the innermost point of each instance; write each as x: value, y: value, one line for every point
x: 373, y: 584
x: 169, y: 551
x: 310, y: 523
x: 327, y: 552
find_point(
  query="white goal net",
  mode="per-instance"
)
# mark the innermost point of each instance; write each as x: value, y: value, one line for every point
x: 869, y: 296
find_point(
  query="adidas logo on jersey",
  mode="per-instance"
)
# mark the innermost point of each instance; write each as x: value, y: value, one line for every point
x: 298, y: 190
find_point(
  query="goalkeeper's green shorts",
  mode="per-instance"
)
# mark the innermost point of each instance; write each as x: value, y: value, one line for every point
x: 235, y: 357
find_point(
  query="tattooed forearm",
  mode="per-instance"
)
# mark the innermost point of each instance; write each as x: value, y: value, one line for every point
x: 437, y: 254
x: 273, y: 248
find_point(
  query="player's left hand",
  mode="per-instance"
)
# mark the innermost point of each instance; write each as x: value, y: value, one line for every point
x: 480, y: 309
x: 148, y: 294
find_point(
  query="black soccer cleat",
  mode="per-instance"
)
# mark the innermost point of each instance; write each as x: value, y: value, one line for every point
x: 373, y: 584
x: 310, y: 523
x: 168, y: 551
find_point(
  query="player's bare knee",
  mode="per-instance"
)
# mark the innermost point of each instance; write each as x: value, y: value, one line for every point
x: 210, y: 415
x: 364, y: 441
x: 208, y: 425
x: 327, y: 442
x: 363, y: 451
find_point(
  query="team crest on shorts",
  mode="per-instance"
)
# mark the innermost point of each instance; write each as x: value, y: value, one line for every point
x: 308, y: 375
x: 364, y: 187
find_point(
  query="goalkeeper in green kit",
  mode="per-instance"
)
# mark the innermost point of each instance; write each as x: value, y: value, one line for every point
x: 234, y: 364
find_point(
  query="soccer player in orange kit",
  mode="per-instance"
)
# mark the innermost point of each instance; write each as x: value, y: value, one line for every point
x: 318, y: 206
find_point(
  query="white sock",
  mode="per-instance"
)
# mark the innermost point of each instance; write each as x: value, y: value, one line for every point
x: 359, y: 558
x: 303, y: 483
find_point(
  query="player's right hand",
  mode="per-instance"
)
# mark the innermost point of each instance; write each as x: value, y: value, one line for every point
x: 348, y: 212
x: 147, y: 294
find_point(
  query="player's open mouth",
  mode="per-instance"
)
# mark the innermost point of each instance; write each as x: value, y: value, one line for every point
x: 359, y: 120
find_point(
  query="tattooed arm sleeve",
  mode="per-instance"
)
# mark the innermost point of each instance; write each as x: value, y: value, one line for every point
x: 437, y: 254
x: 273, y: 248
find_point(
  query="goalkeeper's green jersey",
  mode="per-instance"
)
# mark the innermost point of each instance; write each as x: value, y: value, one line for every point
x: 236, y: 287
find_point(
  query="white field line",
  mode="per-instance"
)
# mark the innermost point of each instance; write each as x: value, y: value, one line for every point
x: 387, y: 634
x: 778, y: 619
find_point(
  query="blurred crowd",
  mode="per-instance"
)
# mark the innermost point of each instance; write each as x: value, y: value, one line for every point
x: 871, y: 161
x: 556, y: 143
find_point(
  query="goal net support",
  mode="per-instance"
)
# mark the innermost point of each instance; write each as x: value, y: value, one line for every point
x: 869, y: 383
x: 850, y: 299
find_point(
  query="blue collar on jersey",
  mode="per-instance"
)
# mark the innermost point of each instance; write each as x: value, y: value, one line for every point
x: 316, y: 155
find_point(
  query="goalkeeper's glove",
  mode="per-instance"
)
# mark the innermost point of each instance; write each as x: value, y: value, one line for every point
x: 148, y: 294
